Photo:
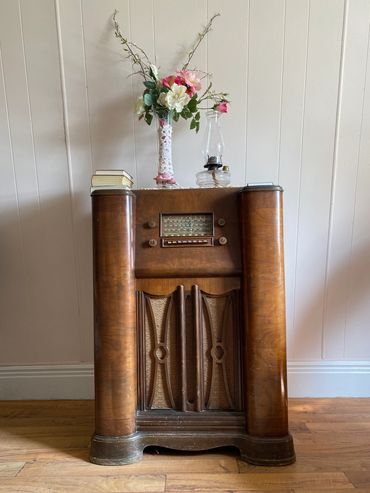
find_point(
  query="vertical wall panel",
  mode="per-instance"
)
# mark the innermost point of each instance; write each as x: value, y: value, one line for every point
x: 300, y: 116
x: 290, y: 156
x: 76, y: 109
x: 142, y: 32
x: 13, y: 289
x: 323, y: 67
x: 357, y: 341
x: 57, y: 293
x: 109, y: 89
x: 230, y: 76
x: 266, y: 46
x: 342, y: 260
x: 33, y: 102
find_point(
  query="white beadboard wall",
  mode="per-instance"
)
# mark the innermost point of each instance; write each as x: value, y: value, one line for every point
x: 298, y: 75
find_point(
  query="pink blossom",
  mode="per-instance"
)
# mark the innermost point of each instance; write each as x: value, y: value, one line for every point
x: 190, y: 90
x: 173, y: 79
x: 221, y: 107
x: 185, y: 78
x: 168, y: 81
x: 191, y: 80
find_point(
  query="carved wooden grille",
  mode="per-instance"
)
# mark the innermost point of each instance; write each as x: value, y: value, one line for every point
x: 189, y: 351
x: 221, y: 351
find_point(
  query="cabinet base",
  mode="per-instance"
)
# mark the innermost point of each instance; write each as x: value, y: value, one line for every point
x: 117, y: 451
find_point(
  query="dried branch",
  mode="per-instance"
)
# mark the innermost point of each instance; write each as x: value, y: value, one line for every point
x: 129, y: 48
x: 200, y: 38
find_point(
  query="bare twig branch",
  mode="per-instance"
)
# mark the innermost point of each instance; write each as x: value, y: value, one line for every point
x: 200, y: 38
x: 204, y: 95
x: 128, y: 48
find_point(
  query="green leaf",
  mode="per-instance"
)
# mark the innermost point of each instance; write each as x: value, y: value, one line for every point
x: 193, y: 124
x: 148, y: 99
x: 192, y: 104
x: 148, y: 118
x: 186, y: 113
x: 149, y: 84
x: 197, y: 127
x: 176, y: 116
x: 197, y: 116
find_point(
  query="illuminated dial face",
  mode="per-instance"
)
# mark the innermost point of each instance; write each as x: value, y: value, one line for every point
x: 187, y: 225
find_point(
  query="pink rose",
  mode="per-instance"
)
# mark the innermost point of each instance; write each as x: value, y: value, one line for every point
x: 190, y: 80
x: 168, y: 81
x: 221, y: 107
x: 173, y: 79
x: 190, y: 90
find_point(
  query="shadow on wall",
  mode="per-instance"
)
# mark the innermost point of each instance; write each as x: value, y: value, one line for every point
x: 46, y: 282
x: 341, y: 308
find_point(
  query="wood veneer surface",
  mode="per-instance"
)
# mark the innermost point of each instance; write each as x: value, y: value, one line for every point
x: 44, y: 448
x: 178, y: 262
x: 247, y: 234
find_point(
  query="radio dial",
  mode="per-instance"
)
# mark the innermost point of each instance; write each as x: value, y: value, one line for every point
x: 152, y: 224
x: 152, y: 242
x: 222, y: 240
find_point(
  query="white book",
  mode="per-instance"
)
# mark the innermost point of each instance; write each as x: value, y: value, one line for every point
x: 113, y: 172
x: 110, y: 187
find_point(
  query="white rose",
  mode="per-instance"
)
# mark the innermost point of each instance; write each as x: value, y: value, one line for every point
x: 139, y: 107
x: 175, y: 99
x: 162, y: 100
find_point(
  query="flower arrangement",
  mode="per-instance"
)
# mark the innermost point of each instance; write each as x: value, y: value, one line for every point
x: 172, y: 96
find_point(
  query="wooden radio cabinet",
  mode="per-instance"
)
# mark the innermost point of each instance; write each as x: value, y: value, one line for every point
x: 189, y: 308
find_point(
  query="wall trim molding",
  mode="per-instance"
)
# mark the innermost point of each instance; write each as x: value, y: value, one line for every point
x: 329, y: 378
x: 69, y: 381
x: 76, y: 381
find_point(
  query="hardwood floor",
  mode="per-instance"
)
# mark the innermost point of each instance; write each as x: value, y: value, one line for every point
x: 44, y: 449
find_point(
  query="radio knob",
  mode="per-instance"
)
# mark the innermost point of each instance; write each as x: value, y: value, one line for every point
x: 221, y: 222
x: 152, y: 224
x: 152, y: 242
x: 222, y: 240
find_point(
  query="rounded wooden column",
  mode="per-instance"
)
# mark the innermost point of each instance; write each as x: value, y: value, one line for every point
x: 114, y: 313
x: 264, y: 312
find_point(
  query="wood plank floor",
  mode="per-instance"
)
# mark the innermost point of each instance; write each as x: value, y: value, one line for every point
x: 44, y: 449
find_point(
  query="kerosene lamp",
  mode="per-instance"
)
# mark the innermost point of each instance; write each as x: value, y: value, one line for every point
x: 216, y: 175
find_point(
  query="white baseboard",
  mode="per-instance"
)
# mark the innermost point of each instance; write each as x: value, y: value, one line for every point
x: 47, y: 382
x: 305, y: 379
x: 329, y: 379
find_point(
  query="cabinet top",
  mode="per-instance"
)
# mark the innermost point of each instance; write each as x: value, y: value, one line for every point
x: 255, y: 187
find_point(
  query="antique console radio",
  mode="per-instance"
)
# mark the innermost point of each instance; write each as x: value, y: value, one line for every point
x: 190, y: 323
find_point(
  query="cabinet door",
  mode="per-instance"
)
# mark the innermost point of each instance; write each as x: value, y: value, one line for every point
x: 220, y: 348
x: 189, y: 351
x: 159, y: 350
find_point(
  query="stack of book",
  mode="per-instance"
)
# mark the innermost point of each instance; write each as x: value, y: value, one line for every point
x: 111, y: 179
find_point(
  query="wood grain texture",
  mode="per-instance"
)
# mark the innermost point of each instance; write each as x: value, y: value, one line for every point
x: 220, y: 346
x: 165, y: 286
x: 256, y: 481
x: 10, y: 468
x: 264, y: 313
x: 180, y: 261
x: 115, y: 314
x: 327, y: 461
